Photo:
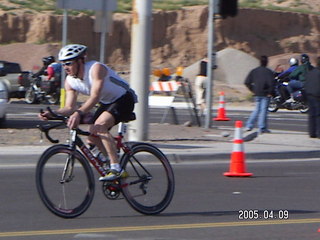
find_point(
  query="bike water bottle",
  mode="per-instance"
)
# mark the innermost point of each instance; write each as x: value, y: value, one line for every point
x: 96, y: 152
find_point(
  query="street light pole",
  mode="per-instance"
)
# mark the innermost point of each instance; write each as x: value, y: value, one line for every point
x: 140, y: 67
x: 64, y: 42
x: 211, y: 63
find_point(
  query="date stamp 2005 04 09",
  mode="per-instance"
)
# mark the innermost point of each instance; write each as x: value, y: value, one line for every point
x: 255, y: 214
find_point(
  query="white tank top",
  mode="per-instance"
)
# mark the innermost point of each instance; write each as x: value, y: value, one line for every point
x: 113, y: 87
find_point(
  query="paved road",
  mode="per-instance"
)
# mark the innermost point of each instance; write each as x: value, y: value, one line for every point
x: 205, y: 206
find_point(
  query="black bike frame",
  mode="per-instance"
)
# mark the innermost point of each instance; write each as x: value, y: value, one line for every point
x: 77, y: 141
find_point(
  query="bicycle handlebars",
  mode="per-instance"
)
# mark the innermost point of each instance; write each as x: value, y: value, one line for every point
x: 45, y: 128
x: 55, y: 116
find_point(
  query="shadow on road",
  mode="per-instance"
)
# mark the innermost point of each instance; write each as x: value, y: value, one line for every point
x: 250, y: 137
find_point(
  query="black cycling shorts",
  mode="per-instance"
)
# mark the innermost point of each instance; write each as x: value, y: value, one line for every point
x: 121, y: 109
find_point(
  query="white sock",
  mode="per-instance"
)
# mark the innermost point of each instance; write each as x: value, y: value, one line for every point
x: 115, y: 166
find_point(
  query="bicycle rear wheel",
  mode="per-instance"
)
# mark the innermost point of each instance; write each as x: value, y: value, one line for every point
x: 149, y: 187
x: 65, y: 181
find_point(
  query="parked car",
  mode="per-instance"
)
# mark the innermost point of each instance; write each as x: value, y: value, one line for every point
x: 4, y: 97
x: 12, y: 76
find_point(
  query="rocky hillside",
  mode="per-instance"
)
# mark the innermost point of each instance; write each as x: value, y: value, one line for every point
x: 305, y: 5
x: 178, y: 38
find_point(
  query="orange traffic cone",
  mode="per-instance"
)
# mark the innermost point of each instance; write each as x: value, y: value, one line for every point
x: 237, y: 165
x: 221, y: 110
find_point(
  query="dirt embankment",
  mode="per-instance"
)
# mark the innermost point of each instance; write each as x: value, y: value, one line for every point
x: 178, y: 37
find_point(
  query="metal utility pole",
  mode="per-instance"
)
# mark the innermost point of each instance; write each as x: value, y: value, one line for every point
x: 211, y: 63
x: 102, y: 46
x: 103, y: 25
x: 103, y: 36
x: 224, y: 8
x: 140, y: 67
x: 64, y: 42
x: 65, y: 27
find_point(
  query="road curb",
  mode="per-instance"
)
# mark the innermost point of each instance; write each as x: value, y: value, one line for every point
x: 177, y: 157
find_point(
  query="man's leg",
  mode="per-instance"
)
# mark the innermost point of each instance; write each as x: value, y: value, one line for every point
x: 104, y: 122
x: 253, y: 116
x: 317, y: 120
x: 293, y: 86
x: 95, y: 140
x: 105, y: 140
x: 312, y: 117
x: 200, y: 93
x: 263, y: 116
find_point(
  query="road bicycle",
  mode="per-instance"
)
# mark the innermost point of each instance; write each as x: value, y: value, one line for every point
x: 66, y: 183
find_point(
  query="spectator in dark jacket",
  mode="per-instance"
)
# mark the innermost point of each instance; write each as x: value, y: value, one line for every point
x: 261, y: 83
x: 312, y: 89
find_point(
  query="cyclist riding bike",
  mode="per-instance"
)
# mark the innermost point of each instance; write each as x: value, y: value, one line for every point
x: 116, y: 101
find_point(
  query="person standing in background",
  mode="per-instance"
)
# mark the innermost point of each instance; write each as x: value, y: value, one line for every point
x: 312, y: 89
x: 200, y: 85
x: 298, y: 76
x: 54, y: 70
x: 260, y: 81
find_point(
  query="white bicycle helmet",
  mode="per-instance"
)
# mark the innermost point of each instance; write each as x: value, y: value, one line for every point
x: 293, y: 61
x: 72, y: 51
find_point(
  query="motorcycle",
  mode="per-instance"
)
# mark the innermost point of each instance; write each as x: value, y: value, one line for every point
x: 278, y: 101
x: 41, y: 90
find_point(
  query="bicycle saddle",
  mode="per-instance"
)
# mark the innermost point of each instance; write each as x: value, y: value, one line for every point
x: 131, y: 117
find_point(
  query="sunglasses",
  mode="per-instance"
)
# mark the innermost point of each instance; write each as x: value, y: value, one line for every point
x: 69, y: 63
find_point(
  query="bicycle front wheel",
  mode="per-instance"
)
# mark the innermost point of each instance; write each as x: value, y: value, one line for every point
x: 149, y: 186
x: 65, y: 181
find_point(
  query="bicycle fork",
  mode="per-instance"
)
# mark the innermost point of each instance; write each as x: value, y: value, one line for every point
x: 67, y: 174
